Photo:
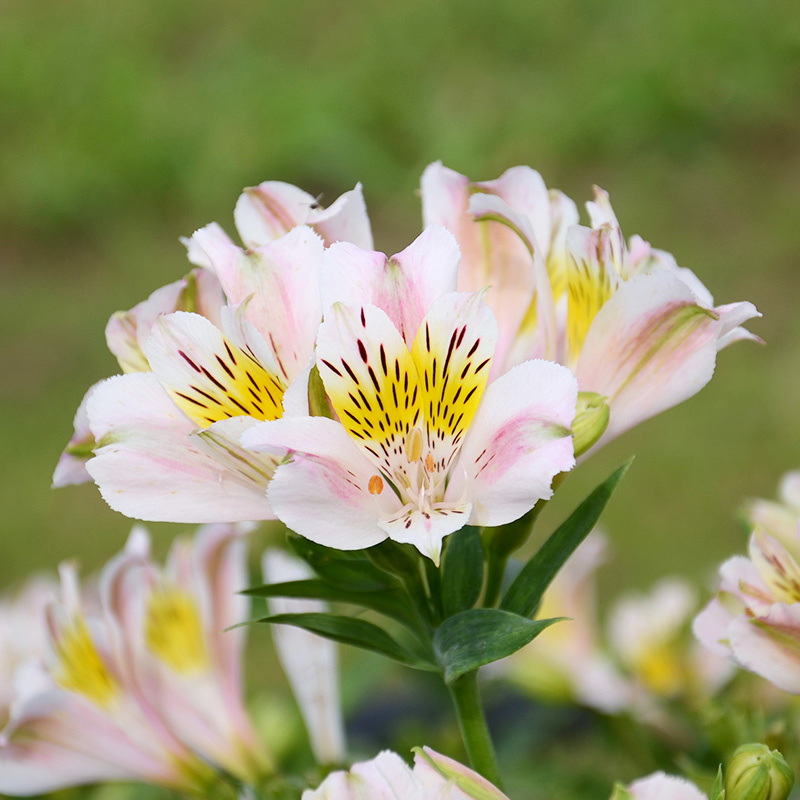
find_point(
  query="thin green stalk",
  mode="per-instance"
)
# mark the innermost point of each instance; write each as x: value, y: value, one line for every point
x: 474, y: 730
x: 495, y: 570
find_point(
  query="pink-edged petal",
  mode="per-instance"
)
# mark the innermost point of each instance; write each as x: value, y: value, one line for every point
x: 323, y: 493
x: 211, y: 376
x: 660, y: 786
x: 310, y: 662
x: 148, y: 466
x: 710, y: 627
x: 732, y: 316
x: 404, y: 286
x: 777, y: 568
x: 649, y: 348
x: 519, y: 440
x: 769, y: 645
x: 207, y: 245
x: 266, y: 212
x: 280, y: 282
x: 127, y: 331
x: 71, y: 467
x: 438, y: 773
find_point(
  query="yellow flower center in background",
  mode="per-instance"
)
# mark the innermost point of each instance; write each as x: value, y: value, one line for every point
x: 173, y: 630
x: 80, y: 667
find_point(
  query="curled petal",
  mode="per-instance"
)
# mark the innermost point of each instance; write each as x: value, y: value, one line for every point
x: 71, y: 467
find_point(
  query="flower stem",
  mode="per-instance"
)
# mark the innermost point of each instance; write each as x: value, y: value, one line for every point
x: 474, y: 730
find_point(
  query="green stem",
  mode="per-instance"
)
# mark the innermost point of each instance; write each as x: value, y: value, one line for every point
x: 474, y: 731
x: 495, y: 571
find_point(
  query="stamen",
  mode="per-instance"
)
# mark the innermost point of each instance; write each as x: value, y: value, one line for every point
x: 429, y: 463
x: 413, y: 445
x: 375, y: 484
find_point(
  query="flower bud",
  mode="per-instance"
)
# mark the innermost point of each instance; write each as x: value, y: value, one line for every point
x: 591, y: 420
x: 757, y: 773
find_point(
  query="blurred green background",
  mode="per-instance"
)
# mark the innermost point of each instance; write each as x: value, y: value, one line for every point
x: 125, y: 125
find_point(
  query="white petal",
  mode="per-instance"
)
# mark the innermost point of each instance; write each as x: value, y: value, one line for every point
x: 148, y: 466
x: 519, y: 440
x: 659, y: 786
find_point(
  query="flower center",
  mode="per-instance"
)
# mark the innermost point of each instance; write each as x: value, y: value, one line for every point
x: 80, y: 667
x: 173, y: 630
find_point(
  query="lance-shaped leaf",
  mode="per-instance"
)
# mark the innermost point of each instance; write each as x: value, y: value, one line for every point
x: 356, y: 632
x: 525, y: 593
x: 482, y: 635
x: 392, y: 603
x: 343, y: 569
x: 462, y: 571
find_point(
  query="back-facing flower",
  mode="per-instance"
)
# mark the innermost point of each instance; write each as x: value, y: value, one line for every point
x: 423, y: 443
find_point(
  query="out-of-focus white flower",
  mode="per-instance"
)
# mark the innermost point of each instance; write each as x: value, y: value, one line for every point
x: 631, y: 324
x: 310, y: 662
x: 422, y: 445
x: 22, y: 633
x: 147, y: 687
x: 568, y: 662
x: 660, y: 786
x: 388, y: 777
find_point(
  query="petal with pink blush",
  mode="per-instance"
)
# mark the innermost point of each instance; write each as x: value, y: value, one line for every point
x: 649, y: 348
x: 519, y: 440
x: 148, y: 466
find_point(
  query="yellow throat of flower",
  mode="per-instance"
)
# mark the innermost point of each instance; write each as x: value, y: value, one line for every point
x: 80, y: 667
x: 174, y: 631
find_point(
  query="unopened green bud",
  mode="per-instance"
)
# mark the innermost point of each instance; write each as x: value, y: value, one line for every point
x: 757, y: 773
x: 591, y: 420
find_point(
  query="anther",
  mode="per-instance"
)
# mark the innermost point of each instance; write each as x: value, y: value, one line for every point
x: 429, y: 462
x: 375, y: 484
x: 413, y: 445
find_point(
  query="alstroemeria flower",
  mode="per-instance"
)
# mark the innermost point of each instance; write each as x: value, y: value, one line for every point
x: 387, y: 777
x: 422, y: 445
x: 22, y: 633
x: 310, y: 662
x: 145, y: 687
x: 632, y: 325
x: 755, y: 617
x: 167, y: 440
x: 659, y: 786
x: 569, y: 662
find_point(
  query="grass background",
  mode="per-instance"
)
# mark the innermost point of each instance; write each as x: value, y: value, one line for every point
x: 125, y: 125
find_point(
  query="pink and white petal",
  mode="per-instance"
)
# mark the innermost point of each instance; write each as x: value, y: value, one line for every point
x: 345, y: 220
x: 148, y: 466
x: 710, y: 627
x: 311, y: 663
x: 270, y: 210
x: 660, y: 786
x: 426, y: 529
x: 281, y: 282
x: 209, y: 245
x: 777, y: 568
x: 437, y: 772
x: 323, y: 493
x: 71, y: 467
x: 649, y: 348
x: 519, y: 440
x: 445, y: 197
x: 521, y: 294
x: 385, y: 777
x: 770, y: 645
x: 295, y: 398
x: 404, y: 286
x: 524, y: 190
x: 789, y: 489
x: 732, y: 316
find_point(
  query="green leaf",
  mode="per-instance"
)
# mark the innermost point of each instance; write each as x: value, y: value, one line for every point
x: 462, y: 571
x: 479, y: 636
x: 392, y: 603
x: 356, y: 632
x: 716, y: 790
x: 345, y: 569
x: 525, y: 593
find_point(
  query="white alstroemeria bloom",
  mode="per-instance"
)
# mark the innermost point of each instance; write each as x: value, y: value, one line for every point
x: 422, y: 445
x: 167, y: 440
x: 649, y: 634
x: 631, y: 324
x: 569, y: 662
x: 755, y: 618
x: 310, y: 662
x: 388, y: 777
x: 147, y: 687
x: 22, y: 633
x: 779, y: 518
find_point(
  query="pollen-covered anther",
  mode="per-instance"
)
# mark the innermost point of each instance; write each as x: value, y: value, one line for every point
x: 375, y: 484
x: 413, y: 444
x: 429, y: 462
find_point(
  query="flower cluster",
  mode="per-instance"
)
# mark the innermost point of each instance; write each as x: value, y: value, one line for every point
x: 358, y: 397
